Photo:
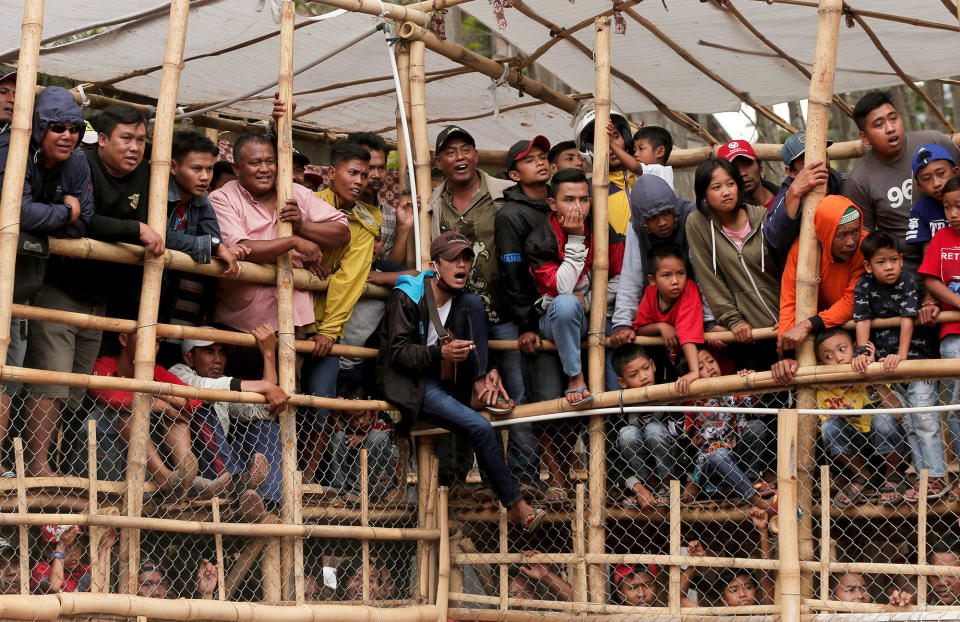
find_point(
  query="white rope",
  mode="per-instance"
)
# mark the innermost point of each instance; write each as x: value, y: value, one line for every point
x: 84, y: 100
x: 496, y: 84
x: 569, y: 414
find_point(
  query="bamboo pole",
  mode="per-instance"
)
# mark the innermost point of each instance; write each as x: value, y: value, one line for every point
x: 598, y: 307
x: 16, y: 165
x: 298, y: 551
x: 486, y: 615
x: 242, y: 565
x: 424, y: 448
x: 922, y: 534
x: 432, y: 523
x: 504, y: 567
x: 270, y: 565
x: 286, y: 358
x: 145, y: 354
x: 579, y: 546
x: 789, y: 579
x: 92, y: 502
x: 21, y: 518
x: 560, y: 605
x: 925, y: 570
x: 421, y: 146
x: 617, y: 558
x: 443, y: 572
x: 674, y: 595
x: 364, y: 521
x: 808, y: 266
x: 218, y: 544
x: 825, y: 531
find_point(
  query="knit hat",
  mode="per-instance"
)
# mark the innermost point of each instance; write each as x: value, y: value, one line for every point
x: 851, y: 214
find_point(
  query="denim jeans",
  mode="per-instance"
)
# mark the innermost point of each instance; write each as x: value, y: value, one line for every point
x: 523, y: 451
x: 950, y: 349
x: 650, y: 443
x: 724, y: 463
x: 923, y: 431
x: 565, y: 324
x: 319, y: 377
x: 841, y: 438
x: 443, y: 410
x: 260, y: 437
x: 751, y: 447
x: 380, y: 463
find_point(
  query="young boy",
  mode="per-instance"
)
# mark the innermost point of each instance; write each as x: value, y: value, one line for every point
x: 64, y: 570
x: 941, y: 276
x: 636, y: 585
x: 643, y: 435
x: 844, y: 438
x: 651, y: 150
x: 671, y: 308
x: 886, y: 291
x: 355, y: 430
x: 565, y: 155
x: 933, y: 166
x: 727, y: 444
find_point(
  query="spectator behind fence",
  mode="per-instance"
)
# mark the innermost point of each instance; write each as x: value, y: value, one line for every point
x: 354, y: 430
x: 783, y: 222
x: 885, y: 291
x: 839, y: 229
x: 57, y: 200
x: 395, y: 229
x: 729, y: 445
x: 531, y: 576
x: 735, y: 269
x: 248, y: 214
x: 644, y: 438
x: 852, y: 587
x: 430, y: 324
x: 932, y: 166
x: 849, y: 440
x: 941, y: 275
x: 564, y: 155
x: 243, y: 435
x: 121, y: 183
x: 944, y: 551
x: 881, y: 183
x: 63, y: 571
x: 756, y: 189
x: 9, y: 560
x: 152, y: 582
x: 350, y: 580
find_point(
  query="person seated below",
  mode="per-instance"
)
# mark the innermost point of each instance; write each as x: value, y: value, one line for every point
x: 65, y: 572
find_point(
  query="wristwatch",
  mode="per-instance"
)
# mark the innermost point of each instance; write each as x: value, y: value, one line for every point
x: 214, y: 243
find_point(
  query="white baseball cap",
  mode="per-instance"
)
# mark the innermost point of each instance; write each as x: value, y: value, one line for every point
x: 186, y: 345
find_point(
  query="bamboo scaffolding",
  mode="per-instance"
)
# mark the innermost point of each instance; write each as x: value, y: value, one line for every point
x: 485, y: 615
x: 560, y: 605
x: 22, y: 516
x: 674, y: 587
x: 808, y: 271
x: 16, y: 165
x: 504, y: 567
x: 421, y: 146
x: 789, y: 584
x: 925, y: 570
x: 616, y: 558
x: 298, y: 564
x: 907, y: 80
x: 922, y: 533
x: 685, y: 55
x: 432, y: 523
x: 364, y: 521
x: 598, y: 307
x: 92, y: 501
x: 286, y: 354
x: 218, y: 544
x: 825, y: 532
x: 579, y: 546
x: 443, y: 572
x: 423, y: 448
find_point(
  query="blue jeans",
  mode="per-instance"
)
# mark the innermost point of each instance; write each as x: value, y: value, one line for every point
x: 319, y: 377
x: 950, y: 349
x: 841, y: 438
x: 639, y: 446
x: 260, y: 437
x: 923, y: 431
x: 443, y: 410
x: 523, y: 451
x: 565, y: 324
x: 751, y: 447
x: 380, y: 463
x: 724, y: 462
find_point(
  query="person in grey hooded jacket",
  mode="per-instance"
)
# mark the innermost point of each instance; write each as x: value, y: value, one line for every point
x: 657, y: 218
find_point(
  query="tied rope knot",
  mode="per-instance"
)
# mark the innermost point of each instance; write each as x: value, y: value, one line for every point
x: 496, y: 84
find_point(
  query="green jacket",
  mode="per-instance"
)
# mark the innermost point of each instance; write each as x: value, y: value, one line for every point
x: 741, y: 285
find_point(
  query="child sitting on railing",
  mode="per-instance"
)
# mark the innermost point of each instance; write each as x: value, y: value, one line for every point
x: 846, y: 437
x: 728, y: 444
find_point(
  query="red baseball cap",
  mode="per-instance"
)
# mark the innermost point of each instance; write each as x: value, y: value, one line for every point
x: 521, y: 148
x: 735, y: 149
x: 51, y: 533
x: 622, y: 571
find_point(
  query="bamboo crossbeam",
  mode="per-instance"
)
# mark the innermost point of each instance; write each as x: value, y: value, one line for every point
x: 616, y: 558
x: 911, y: 21
x: 685, y: 55
x: 262, y: 530
x: 936, y: 611
x: 560, y: 605
x: 922, y: 570
x: 639, y: 613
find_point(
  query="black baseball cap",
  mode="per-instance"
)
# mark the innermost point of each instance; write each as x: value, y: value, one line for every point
x: 449, y: 132
x: 9, y: 75
x: 449, y: 245
x: 560, y: 146
x: 299, y: 157
x: 521, y: 148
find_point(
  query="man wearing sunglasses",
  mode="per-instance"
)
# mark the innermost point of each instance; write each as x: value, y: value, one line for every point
x: 57, y: 201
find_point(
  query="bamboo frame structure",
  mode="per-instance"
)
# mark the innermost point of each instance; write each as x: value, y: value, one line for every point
x: 421, y: 145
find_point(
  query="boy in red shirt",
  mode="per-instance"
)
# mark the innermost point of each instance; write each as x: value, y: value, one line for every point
x: 671, y: 308
x: 64, y: 572
x: 941, y: 276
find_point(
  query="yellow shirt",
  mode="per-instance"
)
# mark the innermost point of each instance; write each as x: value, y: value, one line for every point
x: 350, y: 265
x: 618, y: 205
x: 856, y: 397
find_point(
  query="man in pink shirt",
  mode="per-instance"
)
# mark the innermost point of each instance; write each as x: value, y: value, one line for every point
x: 248, y: 214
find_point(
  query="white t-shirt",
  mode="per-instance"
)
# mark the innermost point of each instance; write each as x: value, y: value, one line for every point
x: 443, y: 311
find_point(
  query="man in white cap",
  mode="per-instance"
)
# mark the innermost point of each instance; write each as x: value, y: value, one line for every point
x: 255, y: 433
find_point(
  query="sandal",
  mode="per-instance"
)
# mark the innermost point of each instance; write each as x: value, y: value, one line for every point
x: 936, y: 488
x: 893, y: 487
x: 764, y: 489
x: 853, y: 495
x: 556, y: 495
x: 501, y: 408
x: 586, y: 399
x: 954, y: 495
x: 661, y: 498
x: 533, y: 519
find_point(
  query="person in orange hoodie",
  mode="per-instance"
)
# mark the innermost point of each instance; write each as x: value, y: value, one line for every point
x: 839, y: 227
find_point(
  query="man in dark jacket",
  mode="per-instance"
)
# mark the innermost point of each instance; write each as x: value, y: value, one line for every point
x: 409, y: 364
x: 120, y: 188
x: 524, y: 209
x: 57, y: 200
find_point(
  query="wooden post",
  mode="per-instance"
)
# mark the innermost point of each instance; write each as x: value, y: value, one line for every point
x: 298, y: 548
x: 145, y: 355
x: 270, y: 565
x: 92, y: 495
x: 579, y: 547
x: 421, y: 145
x: 675, y: 595
x: 424, y: 446
x: 16, y: 167
x: 789, y: 579
x: 504, y: 568
x: 598, y: 308
x: 405, y: 163
x: 922, y: 533
x: 22, y: 509
x: 443, y: 568
x: 365, y: 521
x: 218, y: 543
x: 808, y: 264
x: 286, y: 358
x: 825, y: 532
x: 432, y: 548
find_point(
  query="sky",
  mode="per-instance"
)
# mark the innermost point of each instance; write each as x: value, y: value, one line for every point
x: 740, y: 124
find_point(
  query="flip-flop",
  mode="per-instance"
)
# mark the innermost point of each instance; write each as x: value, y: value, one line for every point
x: 586, y: 400
x: 852, y: 494
x: 551, y: 498
x: 501, y: 408
x: 532, y: 520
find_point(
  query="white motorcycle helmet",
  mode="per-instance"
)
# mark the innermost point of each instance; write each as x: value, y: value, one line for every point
x: 583, y: 128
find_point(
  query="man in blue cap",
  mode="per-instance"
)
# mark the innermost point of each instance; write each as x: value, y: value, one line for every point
x: 783, y: 223
x: 932, y: 166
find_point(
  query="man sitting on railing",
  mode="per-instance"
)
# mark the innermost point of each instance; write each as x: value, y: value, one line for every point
x: 242, y: 433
